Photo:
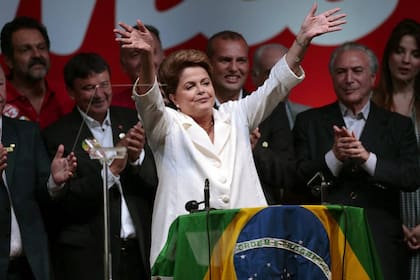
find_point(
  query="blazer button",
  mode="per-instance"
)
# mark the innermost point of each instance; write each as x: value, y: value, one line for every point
x: 353, y: 195
x: 225, y: 198
x: 264, y: 144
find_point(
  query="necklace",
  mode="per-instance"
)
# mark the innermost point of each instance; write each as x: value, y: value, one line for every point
x: 208, y: 129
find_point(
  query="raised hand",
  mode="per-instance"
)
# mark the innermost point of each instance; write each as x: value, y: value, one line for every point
x: 129, y: 37
x: 328, y: 21
x: 142, y: 41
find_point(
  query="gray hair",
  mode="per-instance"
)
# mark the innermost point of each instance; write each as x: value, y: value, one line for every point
x: 373, y: 60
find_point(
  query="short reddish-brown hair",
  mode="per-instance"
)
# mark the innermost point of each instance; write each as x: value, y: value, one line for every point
x: 175, y: 63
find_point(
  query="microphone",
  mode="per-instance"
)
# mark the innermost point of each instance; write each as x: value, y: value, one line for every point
x: 192, y: 205
x: 206, y: 194
x: 319, y: 188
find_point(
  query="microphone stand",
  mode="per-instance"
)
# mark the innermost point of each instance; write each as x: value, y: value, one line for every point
x: 105, y: 156
x: 323, y: 189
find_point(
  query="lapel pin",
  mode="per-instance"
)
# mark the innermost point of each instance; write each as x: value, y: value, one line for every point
x: 10, y: 148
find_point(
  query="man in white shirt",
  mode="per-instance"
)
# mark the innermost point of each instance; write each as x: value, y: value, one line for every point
x: 78, y: 245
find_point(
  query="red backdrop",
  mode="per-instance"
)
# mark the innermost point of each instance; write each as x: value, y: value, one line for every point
x: 316, y: 89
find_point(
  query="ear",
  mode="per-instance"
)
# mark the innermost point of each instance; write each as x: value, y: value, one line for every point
x: 172, y: 97
x: 70, y: 92
x: 8, y: 61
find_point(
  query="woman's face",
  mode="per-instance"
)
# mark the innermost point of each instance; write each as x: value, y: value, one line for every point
x: 404, y: 62
x: 194, y: 94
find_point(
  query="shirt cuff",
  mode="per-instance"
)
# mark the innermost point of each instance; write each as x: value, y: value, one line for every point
x: 370, y: 165
x: 53, y: 188
x: 134, y: 93
x: 139, y: 161
x: 333, y: 163
x: 111, y: 178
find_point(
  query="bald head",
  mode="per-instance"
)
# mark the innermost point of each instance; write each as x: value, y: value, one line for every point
x: 264, y: 59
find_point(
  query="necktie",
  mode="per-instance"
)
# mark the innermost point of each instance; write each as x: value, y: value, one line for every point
x: 115, y: 211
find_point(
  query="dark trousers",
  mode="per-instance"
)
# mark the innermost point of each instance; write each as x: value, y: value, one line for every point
x: 19, y: 269
x: 130, y: 262
x: 127, y: 262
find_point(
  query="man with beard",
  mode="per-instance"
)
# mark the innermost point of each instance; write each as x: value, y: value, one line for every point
x: 25, y: 46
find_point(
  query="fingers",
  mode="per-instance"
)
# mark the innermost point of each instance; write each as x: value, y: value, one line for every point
x: 134, y: 140
x: 60, y: 151
x: 72, y: 163
x: 141, y: 26
x: 331, y: 12
x: 3, y: 158
x: 313, y: 9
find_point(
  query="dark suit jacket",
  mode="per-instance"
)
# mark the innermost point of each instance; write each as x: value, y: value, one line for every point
x: 388, y: 135
x: 272, y: 153
x: 78, y: 237
x: 27, y: 172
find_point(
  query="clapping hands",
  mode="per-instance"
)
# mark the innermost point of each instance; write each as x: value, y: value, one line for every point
x: 412, y: 237
x: 346, y: 146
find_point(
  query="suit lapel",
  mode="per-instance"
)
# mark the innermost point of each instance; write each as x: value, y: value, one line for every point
x: 332, y: 116
x: 374, y: 127
x: 9, y: 137
x: 200, y: 138
x: 118, y: 125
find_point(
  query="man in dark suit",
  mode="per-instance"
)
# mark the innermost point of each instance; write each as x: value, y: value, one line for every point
x: 78, y: 240
x: 24, y: 191
x: 274, y: 151
x: 367, y: 154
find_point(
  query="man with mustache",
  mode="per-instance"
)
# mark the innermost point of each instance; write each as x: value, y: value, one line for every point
x: 25, y: 46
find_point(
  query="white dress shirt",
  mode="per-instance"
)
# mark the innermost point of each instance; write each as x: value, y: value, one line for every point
x: 354, y: 123
x: 103, y: 134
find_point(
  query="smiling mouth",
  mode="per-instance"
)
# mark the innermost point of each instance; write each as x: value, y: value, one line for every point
x: 232, y: 79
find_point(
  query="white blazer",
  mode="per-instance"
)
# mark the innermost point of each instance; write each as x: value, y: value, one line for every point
x: 185, y: 155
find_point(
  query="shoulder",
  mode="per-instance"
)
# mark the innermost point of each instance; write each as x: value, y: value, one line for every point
x: 395, y: 117
x: 311, y: 112
x: 123, y: 112
x: 297, y: 108
x: 63, y: 124
x: 20, y: 124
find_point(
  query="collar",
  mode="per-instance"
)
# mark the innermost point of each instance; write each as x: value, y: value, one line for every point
x: 92, y: 123
x: 13, y: 94
x: 346, y: 112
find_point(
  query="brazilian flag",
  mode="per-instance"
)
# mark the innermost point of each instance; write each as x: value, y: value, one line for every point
x: 276, y: 242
